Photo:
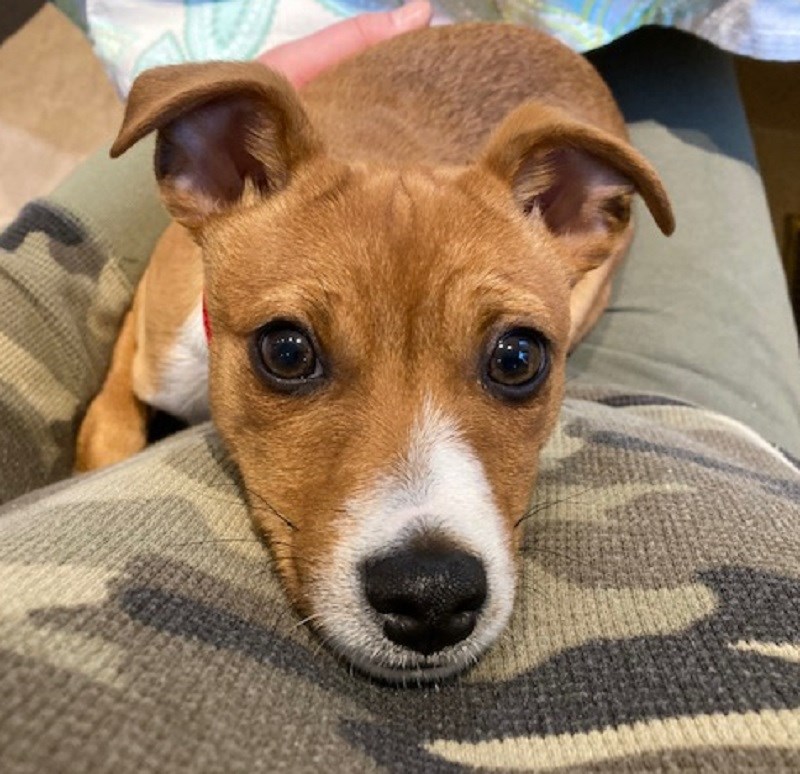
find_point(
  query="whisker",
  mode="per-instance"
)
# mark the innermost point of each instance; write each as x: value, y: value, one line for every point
x: 218, y: 540
x: 263, y: 500
x: 223, y: 497
x: 539, y: 507
x: 305, y: 620
x: 325, y: 641
x: 553, y: 552
x: 543, y: 600
x: 299, y: 559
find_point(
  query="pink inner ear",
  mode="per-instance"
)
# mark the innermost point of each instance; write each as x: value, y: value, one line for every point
x: 204, y: 154
x: 571, y: 189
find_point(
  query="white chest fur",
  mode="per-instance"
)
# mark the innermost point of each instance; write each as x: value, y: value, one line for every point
x: 182, y: 383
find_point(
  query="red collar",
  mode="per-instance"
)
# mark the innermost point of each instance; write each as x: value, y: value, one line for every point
x: 206, y: 321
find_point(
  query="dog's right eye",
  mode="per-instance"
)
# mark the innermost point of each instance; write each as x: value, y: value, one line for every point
x: 286, y: 356
x: 517, y: 364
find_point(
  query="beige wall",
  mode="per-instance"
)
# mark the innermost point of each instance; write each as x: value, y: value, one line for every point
x: 56, y: 106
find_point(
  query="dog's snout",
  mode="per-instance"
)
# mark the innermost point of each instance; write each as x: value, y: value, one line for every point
x: 427, y: 598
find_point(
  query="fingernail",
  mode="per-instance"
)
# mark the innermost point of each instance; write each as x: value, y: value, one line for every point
x: 411, y: 15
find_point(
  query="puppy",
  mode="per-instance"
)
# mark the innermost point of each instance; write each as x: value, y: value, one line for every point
x: 393, y: 266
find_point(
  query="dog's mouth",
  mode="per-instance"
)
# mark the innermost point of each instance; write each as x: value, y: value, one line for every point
x: 410, y: 669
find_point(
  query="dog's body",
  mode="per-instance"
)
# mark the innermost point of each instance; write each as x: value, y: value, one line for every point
x: 441, y: 201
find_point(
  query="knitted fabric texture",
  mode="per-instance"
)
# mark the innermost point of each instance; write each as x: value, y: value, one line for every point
x: 62, y: 296
x: 143, y: 628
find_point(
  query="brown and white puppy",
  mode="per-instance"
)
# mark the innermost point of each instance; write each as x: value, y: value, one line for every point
x: 395, y: 264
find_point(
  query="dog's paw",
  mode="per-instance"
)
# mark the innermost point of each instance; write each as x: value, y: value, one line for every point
x: 111, y: 432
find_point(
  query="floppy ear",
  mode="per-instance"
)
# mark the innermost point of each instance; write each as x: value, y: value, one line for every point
x: 224, y: 129
x: 578, y: 179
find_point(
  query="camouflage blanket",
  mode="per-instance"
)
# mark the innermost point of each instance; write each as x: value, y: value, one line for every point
x: 142, y: 628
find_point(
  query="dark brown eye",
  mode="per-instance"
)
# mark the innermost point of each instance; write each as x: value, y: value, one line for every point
x: 286, y: 356
x: 518, y: 363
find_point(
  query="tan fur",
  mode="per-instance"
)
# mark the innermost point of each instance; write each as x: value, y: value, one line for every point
x: 380, y: 310
x: 415, y: 133
x: 114, y: 427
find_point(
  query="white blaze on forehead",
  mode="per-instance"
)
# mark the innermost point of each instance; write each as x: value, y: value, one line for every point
x: 445, y: 484
x: 437, y: 484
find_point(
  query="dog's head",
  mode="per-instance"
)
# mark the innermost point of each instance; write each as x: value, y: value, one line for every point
x: 388, y: 345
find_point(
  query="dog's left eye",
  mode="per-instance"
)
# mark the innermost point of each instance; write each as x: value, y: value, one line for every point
x: 518, y: 363
x: 287, y: 356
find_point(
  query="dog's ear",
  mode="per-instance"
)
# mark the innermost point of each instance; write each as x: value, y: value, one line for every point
x: 578, y: 179
x: 224, y: 129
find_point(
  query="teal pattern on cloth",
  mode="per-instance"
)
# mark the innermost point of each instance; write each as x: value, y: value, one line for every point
x: 213, y: 30
x: 132, y: 35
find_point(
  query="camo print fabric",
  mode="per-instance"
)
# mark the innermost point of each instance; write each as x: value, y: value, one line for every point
x: 143, y: 629
x: 62, y: 293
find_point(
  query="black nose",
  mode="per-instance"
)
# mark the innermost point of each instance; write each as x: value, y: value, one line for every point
x: 428, y: 598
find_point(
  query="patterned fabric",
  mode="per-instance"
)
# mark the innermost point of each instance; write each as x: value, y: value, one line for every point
x: 658, y: 625
x: 52, y: 360
x: 143, y: 629
x: 131, y: 36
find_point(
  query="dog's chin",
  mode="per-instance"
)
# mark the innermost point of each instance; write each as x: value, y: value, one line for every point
x: 412, y: 669
x: 359, y: 640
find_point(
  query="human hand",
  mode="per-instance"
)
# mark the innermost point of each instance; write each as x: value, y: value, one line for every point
x: 302, y: 60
